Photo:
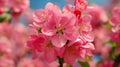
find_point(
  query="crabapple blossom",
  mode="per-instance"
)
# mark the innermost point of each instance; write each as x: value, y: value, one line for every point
x: 18, y: 5
x: 5, y: 62
x: 80, y: 5
x: 106, y: 63
x: 115, y: 22
x: 62, y: 34
x: 59, y: 37
x: 98, y: 13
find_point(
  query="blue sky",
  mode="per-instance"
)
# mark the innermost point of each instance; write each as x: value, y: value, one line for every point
x: 36, y: 4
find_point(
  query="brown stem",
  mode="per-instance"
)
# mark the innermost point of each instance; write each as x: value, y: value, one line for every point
x: 61, y: 61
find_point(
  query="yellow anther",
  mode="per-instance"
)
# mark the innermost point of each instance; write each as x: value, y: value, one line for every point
x: 18, y: 1
x: 81, y: 3
x: 43, y: 15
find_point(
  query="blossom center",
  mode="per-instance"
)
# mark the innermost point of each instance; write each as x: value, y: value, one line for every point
x: 1, y: 53
x: 43, y: 15
x: 18, y: 1
x: 81, y: 3
x: 60, y: 29
x: 84, y: 27
x: 49, y: 44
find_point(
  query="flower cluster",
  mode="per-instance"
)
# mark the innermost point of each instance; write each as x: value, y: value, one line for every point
x: 107, y: 38
x: 79, y: 35
x: 62, y: 33
x: 115, y: 22
x: 12, y: 9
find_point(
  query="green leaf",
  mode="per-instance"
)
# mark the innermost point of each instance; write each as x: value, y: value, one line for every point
x: 114, y: 46
x: 69, y: 66
x: 84, y: 64
x: 88, y: 58
x: 5, y: 17
x: 111, y: 54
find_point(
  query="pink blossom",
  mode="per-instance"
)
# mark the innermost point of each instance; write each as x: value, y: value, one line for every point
x: 60, y: 28
x: 115, y: 36
x: 2, y: 10
x: 41, y: 44
x: 85, y: 28
x: 92, y: 63
x: 62, y: 33
x: 115, y: 22
x: 26, y: 62
x: 106, y: 63
x: 71, y: 54
x: 18, y: 5
x: 6, y: 47
x: 5, y: 62
x: 43, y: 16
x: 12, y: 40
x: 102, y: 35
x: 53, y: 64
x: 98, y: 13
x: 68, y: 8
x: 2, y: 3
x: 5, y: 31
x: 80, y: 5
x: 78, y: 49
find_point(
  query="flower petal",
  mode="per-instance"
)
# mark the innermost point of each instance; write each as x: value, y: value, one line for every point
x: 59, y: 40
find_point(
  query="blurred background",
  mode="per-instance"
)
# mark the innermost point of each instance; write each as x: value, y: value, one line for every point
x: 16, y: 27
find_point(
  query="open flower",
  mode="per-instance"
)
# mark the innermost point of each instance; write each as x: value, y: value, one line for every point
x: 62, y: 33
x: 61, y: 29
x: 18, y: 5
x: 80, y: 5
x: 77, y: 49
x: 39, y: 43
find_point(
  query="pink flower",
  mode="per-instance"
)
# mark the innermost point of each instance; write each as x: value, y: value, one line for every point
x: 98, y: 13
x: 115, y: 22
x: 43, y: 16
x: 92, y: 63
x: 5, y: 62
x: 68, y: 8
x: 35, y: 42
x: 26, y: 62
x: 6, y: 47
x: 2, y: 3
x: 62, y: 33
x: 39, y: 43
x: 18, y: 5
x: 102, y: 35
x: 85, y: 28
x: 106, y: 63
x: 2, y: 10
x: 6, y: 31
x: 53, y: 64
x: 60, y: 28
x: 80, y: 5
x: 2, y: 6
x: 77, y: 49
x: 71, y: 54
x: 115, y: 36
